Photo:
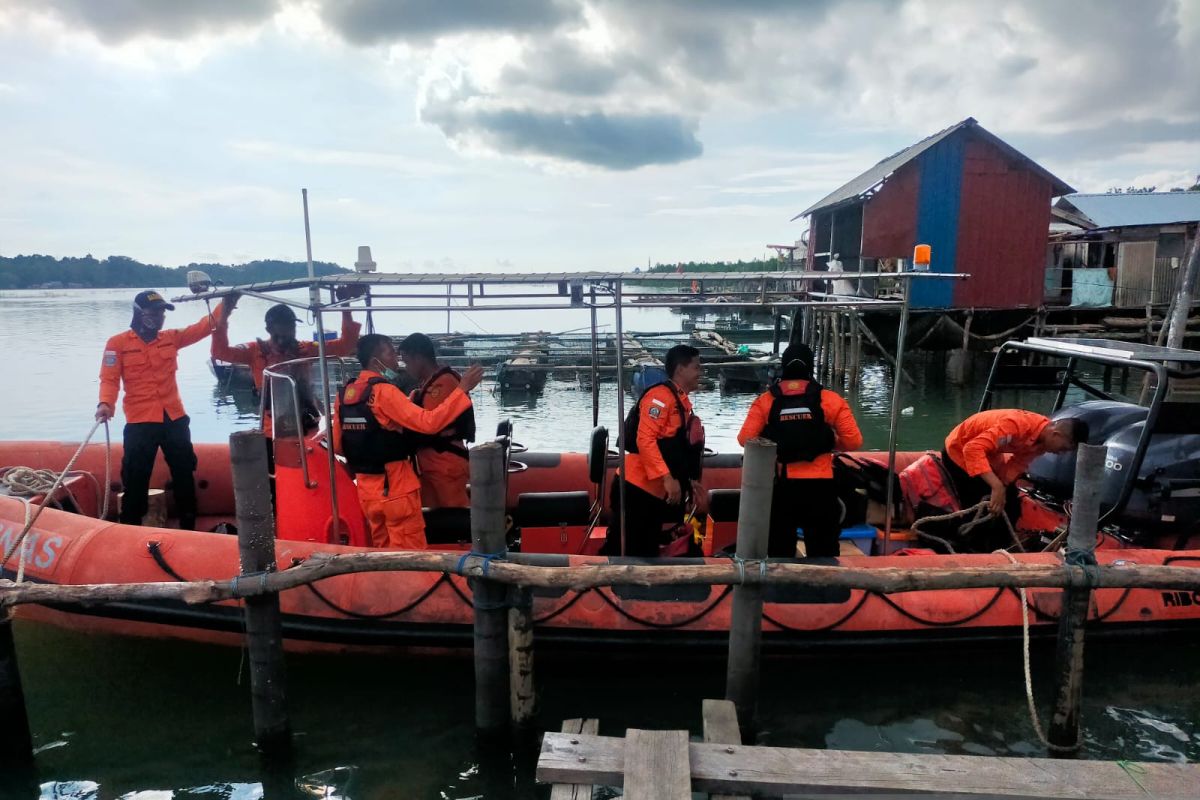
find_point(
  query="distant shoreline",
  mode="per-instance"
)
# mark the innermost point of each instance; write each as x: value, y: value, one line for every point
x: 46, y: 273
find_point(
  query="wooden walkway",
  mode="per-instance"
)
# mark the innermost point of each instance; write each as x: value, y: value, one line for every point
x: 665, y: 765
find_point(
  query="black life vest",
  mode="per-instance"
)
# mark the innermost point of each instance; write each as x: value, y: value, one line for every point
x: 682, y: 451
x: 368, y: 446
x: 463, y: 425
x: 797, y: 425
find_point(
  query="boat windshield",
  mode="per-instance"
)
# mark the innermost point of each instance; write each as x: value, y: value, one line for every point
x: 292, y: 393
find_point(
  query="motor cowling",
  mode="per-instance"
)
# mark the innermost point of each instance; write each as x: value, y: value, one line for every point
x: 1054, y: 473
x: 1166, y: 495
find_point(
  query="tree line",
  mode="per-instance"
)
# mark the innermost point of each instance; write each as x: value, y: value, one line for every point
x: 755, y: 265
x: 88, y: 272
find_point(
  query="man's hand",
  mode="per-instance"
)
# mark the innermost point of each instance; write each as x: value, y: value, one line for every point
x: 700, y: 497
x: 674, y: 490
x: 996, y: 500
x: 471, y: 378
x: 104, y: 412
x: 230, y: 302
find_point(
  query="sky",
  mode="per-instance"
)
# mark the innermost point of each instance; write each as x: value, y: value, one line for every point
x: 546, y: 134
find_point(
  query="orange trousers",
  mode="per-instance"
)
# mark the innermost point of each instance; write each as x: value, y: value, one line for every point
x: 444, y: 478
x: 394, y: 519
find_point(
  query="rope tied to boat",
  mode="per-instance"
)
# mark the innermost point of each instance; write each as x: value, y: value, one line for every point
x: 741, y: 568
x: 981, y: 516
x: 487, y: 558
x: 33, y: 478
x: 1028, y: 669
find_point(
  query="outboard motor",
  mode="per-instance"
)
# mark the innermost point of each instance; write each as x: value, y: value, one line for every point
x: 1054, y: 473
x: 1166, y: 496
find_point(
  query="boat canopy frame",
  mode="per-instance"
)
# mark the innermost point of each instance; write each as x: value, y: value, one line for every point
x: 582, y: 290
x: 1162, y: 363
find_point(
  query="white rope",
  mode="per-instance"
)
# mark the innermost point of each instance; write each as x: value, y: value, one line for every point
x: 1033, y: 714
x: 32, y: 477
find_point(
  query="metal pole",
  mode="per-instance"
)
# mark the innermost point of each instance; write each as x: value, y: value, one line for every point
x: 905, y: 293
x: 491, y: 615
x: 1072, y: 622
x: 370, y: 316
x: 595, y: 368
x: 264, y: 624
x: 314, y: 298
x: 620, y: 412
x: 745, y: 624
x: 1187, y: 288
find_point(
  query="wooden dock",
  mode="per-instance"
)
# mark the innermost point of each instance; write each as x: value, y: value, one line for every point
x: 666, y: 765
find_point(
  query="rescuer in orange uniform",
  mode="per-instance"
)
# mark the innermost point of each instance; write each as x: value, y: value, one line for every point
x: 441, y: 458
x: 664, y: 441
x: 145, y: 359
x: 988, y: 451
x: 373, y: 418
x: 807, y: 423
x: 281, y: 345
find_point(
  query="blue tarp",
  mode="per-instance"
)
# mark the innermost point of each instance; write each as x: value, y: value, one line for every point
x: 1091, y: 287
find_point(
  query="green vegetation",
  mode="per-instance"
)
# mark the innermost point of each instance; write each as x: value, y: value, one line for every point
x: 757, y: 265
x: 40, y: 272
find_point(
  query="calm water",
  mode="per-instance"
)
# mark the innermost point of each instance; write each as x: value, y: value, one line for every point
x: 151, y: 720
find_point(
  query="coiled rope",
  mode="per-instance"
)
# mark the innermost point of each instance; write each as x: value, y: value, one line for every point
x: 24, y: 482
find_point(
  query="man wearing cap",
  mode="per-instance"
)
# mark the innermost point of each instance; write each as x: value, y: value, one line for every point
x: 807, y: 423
x: 145, y: 359
x: 281, y: 345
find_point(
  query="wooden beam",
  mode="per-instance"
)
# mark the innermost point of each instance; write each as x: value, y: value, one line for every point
x: 886, y: 580
x: 575, y: 791
x: 721, y: 727
x: 656, y: 765
x: 774, y: 771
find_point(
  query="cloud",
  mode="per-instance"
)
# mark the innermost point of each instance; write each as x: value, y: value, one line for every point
x: 615, y: 141
x: 117, y: 21
x: 377, y: 21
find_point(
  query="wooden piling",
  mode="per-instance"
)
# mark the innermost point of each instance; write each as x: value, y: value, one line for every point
x: 16, y: 744
x: 522, y: 692
x: 1081, y: 546
x: 745, y: 625
x: 264, y: 627
x: 491, y: 612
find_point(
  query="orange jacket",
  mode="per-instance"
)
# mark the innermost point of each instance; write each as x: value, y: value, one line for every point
x: 1002, y: 441
x: 444, y: 475
x: 837, y: 416
x: 261, y: 355
x: 659, y: 419
x: 394, y: 411
x: 147, y: 369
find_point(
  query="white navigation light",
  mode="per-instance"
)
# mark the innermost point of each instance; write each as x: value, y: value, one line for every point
x: 365, y: 262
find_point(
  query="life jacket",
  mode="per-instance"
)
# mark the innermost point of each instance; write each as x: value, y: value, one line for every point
x: 368, y: 446
x: 926, y: 486
x: 682, y: 451
x: 463, y: 425
x: 796, y: 424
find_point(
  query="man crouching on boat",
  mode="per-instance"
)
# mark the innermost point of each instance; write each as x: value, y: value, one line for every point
x: 988, y: 451
x: 372, y: 417
x: 145, y: 359
x: 664, y: 443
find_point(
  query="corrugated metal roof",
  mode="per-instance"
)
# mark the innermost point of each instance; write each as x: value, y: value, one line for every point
x: 1129, y: 210
x: 867, y: 181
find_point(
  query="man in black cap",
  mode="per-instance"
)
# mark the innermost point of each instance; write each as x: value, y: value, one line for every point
x: 281, y: 345
x: 145, y: 359
x: 807, y: 423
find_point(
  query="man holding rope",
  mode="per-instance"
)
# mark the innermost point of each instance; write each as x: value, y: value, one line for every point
x: 988, y: 451
x: 145, y: 359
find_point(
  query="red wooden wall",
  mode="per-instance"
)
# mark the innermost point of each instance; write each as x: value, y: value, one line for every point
x: 890, y: 217
x: 1002, y: 231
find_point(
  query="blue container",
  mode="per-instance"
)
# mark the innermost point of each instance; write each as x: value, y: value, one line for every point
x: 863, y: 536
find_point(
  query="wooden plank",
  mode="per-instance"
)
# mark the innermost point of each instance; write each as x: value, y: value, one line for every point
x: 575, y: 791
x: 656, y: 765
x: 721, y: 727
x: 774, y: 771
